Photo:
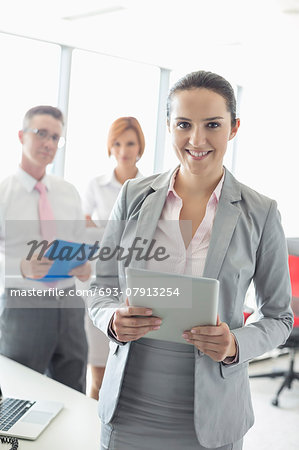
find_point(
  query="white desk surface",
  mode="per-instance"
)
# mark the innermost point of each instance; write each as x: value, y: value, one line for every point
x: 76, y: 427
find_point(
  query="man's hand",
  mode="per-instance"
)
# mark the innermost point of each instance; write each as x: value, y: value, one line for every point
x: 35, y: 268
x: 132, y: 322
x: 215, y: 341
x: 82, y: 272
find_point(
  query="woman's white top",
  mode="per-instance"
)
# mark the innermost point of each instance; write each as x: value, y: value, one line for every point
x: 101, y: 195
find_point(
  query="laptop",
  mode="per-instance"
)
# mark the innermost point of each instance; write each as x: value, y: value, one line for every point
x: 181, y: 301
x: 26, y: 419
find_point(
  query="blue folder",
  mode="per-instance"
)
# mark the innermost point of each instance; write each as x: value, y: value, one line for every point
x: 67, y: 255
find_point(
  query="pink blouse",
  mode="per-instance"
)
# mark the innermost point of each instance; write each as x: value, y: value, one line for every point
x: 190, y: 261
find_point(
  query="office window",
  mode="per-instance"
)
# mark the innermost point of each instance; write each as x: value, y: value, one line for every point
x: 29, y: 76
x: 268, y: 155
x: 104, y: 88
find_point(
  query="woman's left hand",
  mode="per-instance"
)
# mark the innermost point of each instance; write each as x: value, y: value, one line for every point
x: 215, y: 341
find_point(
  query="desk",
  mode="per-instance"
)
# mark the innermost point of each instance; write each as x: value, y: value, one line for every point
x: 76, y: 427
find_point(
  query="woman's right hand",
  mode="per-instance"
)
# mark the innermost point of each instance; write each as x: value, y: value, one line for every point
x: 130, y: 323
x: 89, y: 223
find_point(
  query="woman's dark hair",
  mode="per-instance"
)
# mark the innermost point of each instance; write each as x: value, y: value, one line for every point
x: 205, y: 80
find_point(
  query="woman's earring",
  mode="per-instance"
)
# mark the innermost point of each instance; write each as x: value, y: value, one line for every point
x: 137, y: 158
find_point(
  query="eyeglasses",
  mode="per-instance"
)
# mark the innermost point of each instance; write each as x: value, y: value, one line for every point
x: 44, y: 135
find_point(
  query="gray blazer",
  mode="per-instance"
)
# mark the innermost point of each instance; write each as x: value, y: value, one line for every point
x: 247, y: 242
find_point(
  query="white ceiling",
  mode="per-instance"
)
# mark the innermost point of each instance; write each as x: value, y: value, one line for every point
x: 169, y: 33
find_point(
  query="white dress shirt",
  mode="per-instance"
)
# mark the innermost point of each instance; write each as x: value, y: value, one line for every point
x: 20, y: 222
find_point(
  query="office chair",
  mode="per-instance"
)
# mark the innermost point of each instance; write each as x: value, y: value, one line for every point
x: 292, y: 342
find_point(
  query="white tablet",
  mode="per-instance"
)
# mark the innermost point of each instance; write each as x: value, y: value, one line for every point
x: 181, y: 301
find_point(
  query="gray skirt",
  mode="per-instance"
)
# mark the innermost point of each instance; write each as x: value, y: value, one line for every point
x: 156, y: 404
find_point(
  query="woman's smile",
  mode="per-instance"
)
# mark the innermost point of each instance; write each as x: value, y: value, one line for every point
x: 198, y: 155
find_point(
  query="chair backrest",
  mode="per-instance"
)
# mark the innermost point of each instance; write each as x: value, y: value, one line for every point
x: 293, y: 248
x: 294, y: 274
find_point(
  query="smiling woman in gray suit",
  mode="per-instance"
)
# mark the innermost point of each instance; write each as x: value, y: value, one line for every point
x: 158, y: 394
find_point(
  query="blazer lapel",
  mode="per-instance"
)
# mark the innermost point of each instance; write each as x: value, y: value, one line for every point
x: 224, y: 225
x: 149, y: 215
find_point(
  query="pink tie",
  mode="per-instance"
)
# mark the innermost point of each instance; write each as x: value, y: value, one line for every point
x: 46, y: 217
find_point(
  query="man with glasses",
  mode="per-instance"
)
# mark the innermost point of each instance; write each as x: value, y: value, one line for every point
x: 42, y: 323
